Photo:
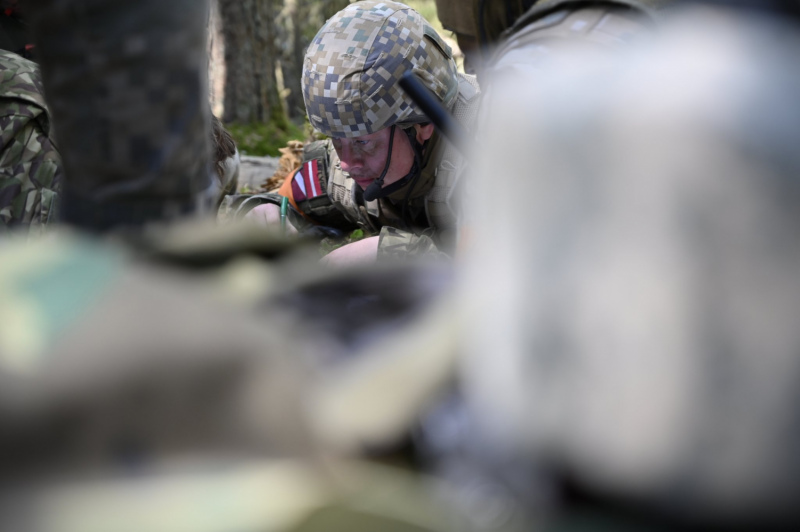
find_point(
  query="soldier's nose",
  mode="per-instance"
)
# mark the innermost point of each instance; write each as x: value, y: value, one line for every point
x: 348, y: 160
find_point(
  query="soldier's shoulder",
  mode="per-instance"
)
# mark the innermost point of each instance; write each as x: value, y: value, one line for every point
x: 20, y: 79
x: 317, y: 149
x: 327, y: 160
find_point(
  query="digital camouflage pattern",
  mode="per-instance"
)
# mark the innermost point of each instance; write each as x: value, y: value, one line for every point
x: 196, y: 397
x: 30, y: 165
x: 397, y: 245
x: 353, y: 64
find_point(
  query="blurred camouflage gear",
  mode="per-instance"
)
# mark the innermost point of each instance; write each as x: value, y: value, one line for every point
x: 493, y: 18
x: 180, y: 385
x: 353, y: 64
x: 88, y: 332
x: 127, y: 85
x: 460, y: 20
x: 396, y: 245
x: 30, y: 166
x: 243, y: 495
x: 643, y: 339
x: 481, y: 25
x: 456, y: 17
x: 552, y: 31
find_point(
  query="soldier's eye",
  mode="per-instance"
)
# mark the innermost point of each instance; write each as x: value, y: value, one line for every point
x: 362, y: 142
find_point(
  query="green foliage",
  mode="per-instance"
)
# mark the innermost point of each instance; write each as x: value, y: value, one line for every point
x: 329, y: 244
x: 264, y: 139
x: 427, y: 8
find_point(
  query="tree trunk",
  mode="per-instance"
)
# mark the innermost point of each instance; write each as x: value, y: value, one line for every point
x: 296, y: 16
x: 251, y: 89
x: 329, y: 8
x: 302, y: 18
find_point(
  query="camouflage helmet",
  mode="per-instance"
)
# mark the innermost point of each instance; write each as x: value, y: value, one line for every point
x: 353, y: 64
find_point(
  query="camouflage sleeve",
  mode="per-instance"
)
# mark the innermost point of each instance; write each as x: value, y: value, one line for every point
x: 30, y: 169
x: 396, y: 244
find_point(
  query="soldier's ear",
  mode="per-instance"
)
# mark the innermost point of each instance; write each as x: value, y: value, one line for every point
x: 424, y: 131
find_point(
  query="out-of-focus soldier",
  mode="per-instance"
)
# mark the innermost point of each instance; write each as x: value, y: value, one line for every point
x: 481, y: 26
x: 459, y: 18
x: 637, y: 347
x: 384, y: 169
x: 30, y: 165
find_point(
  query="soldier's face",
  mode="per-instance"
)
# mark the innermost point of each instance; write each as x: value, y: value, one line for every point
x: 364, y: 157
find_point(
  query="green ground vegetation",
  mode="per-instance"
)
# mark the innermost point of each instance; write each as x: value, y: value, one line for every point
x: 329, y: 244
x: 264, y: 139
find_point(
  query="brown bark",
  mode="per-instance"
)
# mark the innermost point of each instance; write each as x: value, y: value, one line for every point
x: 251, y: 89
x: 303, y: 18
x: 296, y: 16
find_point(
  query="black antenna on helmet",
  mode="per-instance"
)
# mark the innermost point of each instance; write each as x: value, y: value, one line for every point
x: 438, y: 115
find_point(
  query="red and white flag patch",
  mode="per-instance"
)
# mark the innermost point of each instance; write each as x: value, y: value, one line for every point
x: 305, y: 183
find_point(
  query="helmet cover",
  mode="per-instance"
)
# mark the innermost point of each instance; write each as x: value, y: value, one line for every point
x: 352, y: 67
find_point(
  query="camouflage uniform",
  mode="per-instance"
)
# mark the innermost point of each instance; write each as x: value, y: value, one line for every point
x: 350, y: 89
x: 29, y: 161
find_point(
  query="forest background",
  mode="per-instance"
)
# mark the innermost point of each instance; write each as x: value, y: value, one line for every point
x: 256, y: 50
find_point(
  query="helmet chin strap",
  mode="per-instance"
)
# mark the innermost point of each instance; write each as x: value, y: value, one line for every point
x: 376, y: 189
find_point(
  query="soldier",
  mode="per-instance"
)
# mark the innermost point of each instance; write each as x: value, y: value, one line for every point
x: 384, y: 169
x: 29, y: 160
x: 484, y: 24
x: 461, y: 22
x: 641, y: 341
